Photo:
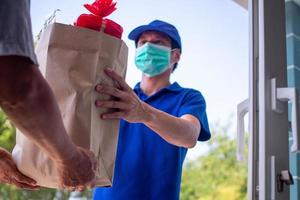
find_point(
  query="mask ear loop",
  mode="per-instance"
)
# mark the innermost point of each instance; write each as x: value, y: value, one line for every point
x: 173, y: 65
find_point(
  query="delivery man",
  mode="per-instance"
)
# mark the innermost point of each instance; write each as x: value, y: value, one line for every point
x: 160, y: 120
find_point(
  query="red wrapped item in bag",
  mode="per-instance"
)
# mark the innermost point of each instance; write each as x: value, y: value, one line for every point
x: 96, y: 21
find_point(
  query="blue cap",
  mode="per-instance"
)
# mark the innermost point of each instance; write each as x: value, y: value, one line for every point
x: 159, y: 26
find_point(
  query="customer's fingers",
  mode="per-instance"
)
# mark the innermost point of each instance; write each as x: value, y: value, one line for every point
x: 71, y: 188
x: 18, y: 176
x: 80, y: 188
x: 24, y: 185
x: 93, y: 159
x: 92, y: 184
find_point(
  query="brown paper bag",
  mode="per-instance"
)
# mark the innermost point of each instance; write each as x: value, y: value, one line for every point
x: 72, y: 60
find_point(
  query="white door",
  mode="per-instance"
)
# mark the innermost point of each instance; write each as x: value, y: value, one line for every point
x: 268, y: 157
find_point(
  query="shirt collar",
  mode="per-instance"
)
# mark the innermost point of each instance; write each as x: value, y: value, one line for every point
x: 174, y: 87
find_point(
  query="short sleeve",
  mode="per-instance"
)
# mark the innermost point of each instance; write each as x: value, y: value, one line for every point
x: 15, y: 29
x: 194, y: 104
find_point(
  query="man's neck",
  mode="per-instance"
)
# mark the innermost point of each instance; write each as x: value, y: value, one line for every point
x: 151, y: 85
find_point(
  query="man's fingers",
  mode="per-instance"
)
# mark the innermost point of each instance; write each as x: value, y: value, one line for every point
x: 113, y: 91
x: 112, y: 104
x: 114, y: 115
x: 115, y: 76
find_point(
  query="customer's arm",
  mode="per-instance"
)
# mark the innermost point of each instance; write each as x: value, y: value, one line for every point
x: 29, y: 103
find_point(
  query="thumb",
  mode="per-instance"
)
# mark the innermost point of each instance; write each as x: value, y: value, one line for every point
x: 24, y: 179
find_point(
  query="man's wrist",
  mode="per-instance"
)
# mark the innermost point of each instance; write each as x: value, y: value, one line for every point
x: 148, y: 114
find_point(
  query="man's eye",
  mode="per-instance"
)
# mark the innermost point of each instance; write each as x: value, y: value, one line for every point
x: 140, y: 43
x: 161, y: 43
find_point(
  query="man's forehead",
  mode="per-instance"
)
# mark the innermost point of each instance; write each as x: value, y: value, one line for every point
x: 154, y: 34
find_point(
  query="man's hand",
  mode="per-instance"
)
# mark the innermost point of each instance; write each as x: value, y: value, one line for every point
x: 78, y: 172
x: 11, y: 175
x: 129, y: 106
x: 181, y: 131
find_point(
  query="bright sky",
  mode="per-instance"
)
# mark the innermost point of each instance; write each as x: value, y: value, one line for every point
x: 214, y: 37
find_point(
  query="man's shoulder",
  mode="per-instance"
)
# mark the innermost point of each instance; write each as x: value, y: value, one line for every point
x: 191, y: 91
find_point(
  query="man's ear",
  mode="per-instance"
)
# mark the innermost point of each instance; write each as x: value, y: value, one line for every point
x: 175, y: 56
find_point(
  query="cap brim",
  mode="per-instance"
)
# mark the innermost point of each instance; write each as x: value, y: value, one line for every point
x: 136, y: 33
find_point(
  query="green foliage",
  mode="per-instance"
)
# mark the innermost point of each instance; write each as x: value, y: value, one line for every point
x: 216, y: 175
x: 8, y: 192
x: 12, y: 193
x: 7, y: 132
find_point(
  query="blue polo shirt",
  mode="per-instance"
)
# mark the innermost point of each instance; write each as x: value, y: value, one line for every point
x: 148, y: 167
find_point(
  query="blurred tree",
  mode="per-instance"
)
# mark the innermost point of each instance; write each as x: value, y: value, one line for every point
x: 7, y: 132
x: 216, y: 175
x: 8, y: 192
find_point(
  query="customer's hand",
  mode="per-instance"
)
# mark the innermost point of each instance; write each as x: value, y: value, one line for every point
x: 78, y: 172
x: 11, y: 175
x: 130, y: 107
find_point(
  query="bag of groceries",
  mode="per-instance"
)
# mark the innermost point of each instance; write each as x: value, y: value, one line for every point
x: 72, y: 59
